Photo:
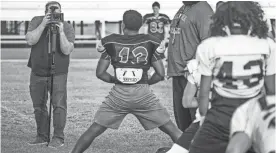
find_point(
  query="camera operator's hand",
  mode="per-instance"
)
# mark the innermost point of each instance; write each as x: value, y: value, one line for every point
x: 60, y: 27
x: 46, y: 19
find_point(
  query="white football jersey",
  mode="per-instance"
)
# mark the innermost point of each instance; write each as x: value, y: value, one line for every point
x: 238, y: 64
x: 256, y: 118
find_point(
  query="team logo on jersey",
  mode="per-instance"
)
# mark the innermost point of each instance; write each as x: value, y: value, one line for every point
x: 129, y: 75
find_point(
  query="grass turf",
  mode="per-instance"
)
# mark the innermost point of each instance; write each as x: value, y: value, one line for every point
x: 85, y: 94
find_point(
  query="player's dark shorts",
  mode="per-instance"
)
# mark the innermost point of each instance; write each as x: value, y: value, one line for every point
x: 213, y: 135
x: 136, y: 99
x: 188, y: 135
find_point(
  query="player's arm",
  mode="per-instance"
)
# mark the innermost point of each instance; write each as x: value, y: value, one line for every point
x: 239, y: 143
x: 205, y: 57
x: 103, y: 64
x: 158, y: 65
x: 241, y: 129
x: 189, y: 100
x: 159, y: 73
x: 269, y: 79
x: 205, y: 87
x: 270, y: 84
x: 101, y: 72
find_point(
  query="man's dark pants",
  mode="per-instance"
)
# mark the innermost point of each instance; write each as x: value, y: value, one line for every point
x: 183, y: 116
x: 39, y: 88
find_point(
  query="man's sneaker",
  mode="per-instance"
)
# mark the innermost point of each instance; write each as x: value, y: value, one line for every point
x: 56, y: 143
x: 37, y: 141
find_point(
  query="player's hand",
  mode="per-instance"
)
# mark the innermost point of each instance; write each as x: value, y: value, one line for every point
x: 161, y: 49
x: 202, y: 120
x: 60, y: 27
x: 45, y: 20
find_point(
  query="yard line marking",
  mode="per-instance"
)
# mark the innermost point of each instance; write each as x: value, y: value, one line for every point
x: 25, y: 60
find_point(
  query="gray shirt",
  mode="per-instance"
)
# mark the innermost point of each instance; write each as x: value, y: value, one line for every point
x: 193, y: 27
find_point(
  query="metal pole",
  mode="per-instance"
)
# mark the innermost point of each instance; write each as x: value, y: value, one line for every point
x: 52, y: 46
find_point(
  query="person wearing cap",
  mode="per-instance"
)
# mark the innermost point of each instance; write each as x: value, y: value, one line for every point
x: 131, y: 56
x: 189, y: 28
x: 40, y: 80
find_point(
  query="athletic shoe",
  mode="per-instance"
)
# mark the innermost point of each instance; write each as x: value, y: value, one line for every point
x: 163, y: 150
x: 38, y: 141
x: 56, y: 143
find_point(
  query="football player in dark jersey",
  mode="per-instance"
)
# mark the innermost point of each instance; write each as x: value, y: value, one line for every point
x: 131, y: 56
x: 157, y: 24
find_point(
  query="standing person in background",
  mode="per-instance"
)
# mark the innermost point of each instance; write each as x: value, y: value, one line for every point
x: 157, y: 24
x: 40, y: 80
x: 189, y: 28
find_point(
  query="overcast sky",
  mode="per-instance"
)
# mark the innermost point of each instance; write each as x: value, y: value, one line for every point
x: 91, y: 10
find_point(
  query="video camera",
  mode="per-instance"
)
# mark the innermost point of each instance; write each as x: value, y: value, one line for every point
x: 55, y: 17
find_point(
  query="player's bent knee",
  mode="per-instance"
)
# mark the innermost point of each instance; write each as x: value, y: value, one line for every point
x: 97, y: 129
x: 170, y: 127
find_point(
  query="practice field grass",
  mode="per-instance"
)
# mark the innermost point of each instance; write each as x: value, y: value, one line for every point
x: 85, y: 94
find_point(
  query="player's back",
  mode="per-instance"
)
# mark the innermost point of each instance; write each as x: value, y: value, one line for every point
x: 239, y: 64
x: 131, y: 53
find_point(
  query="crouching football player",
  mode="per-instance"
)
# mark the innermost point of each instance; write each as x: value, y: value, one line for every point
x: 131, y: 56
x: 238, y: 60
x: 253, y: 124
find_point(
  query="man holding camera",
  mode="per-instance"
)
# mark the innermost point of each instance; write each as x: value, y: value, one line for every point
x: 40, y: 80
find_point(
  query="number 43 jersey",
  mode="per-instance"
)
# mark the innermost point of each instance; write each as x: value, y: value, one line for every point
x: 131, y: 56
x: 237, y: 63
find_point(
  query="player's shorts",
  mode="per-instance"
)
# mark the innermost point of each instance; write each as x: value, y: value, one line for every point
x: 188, y: 135
x: 136, y: 99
